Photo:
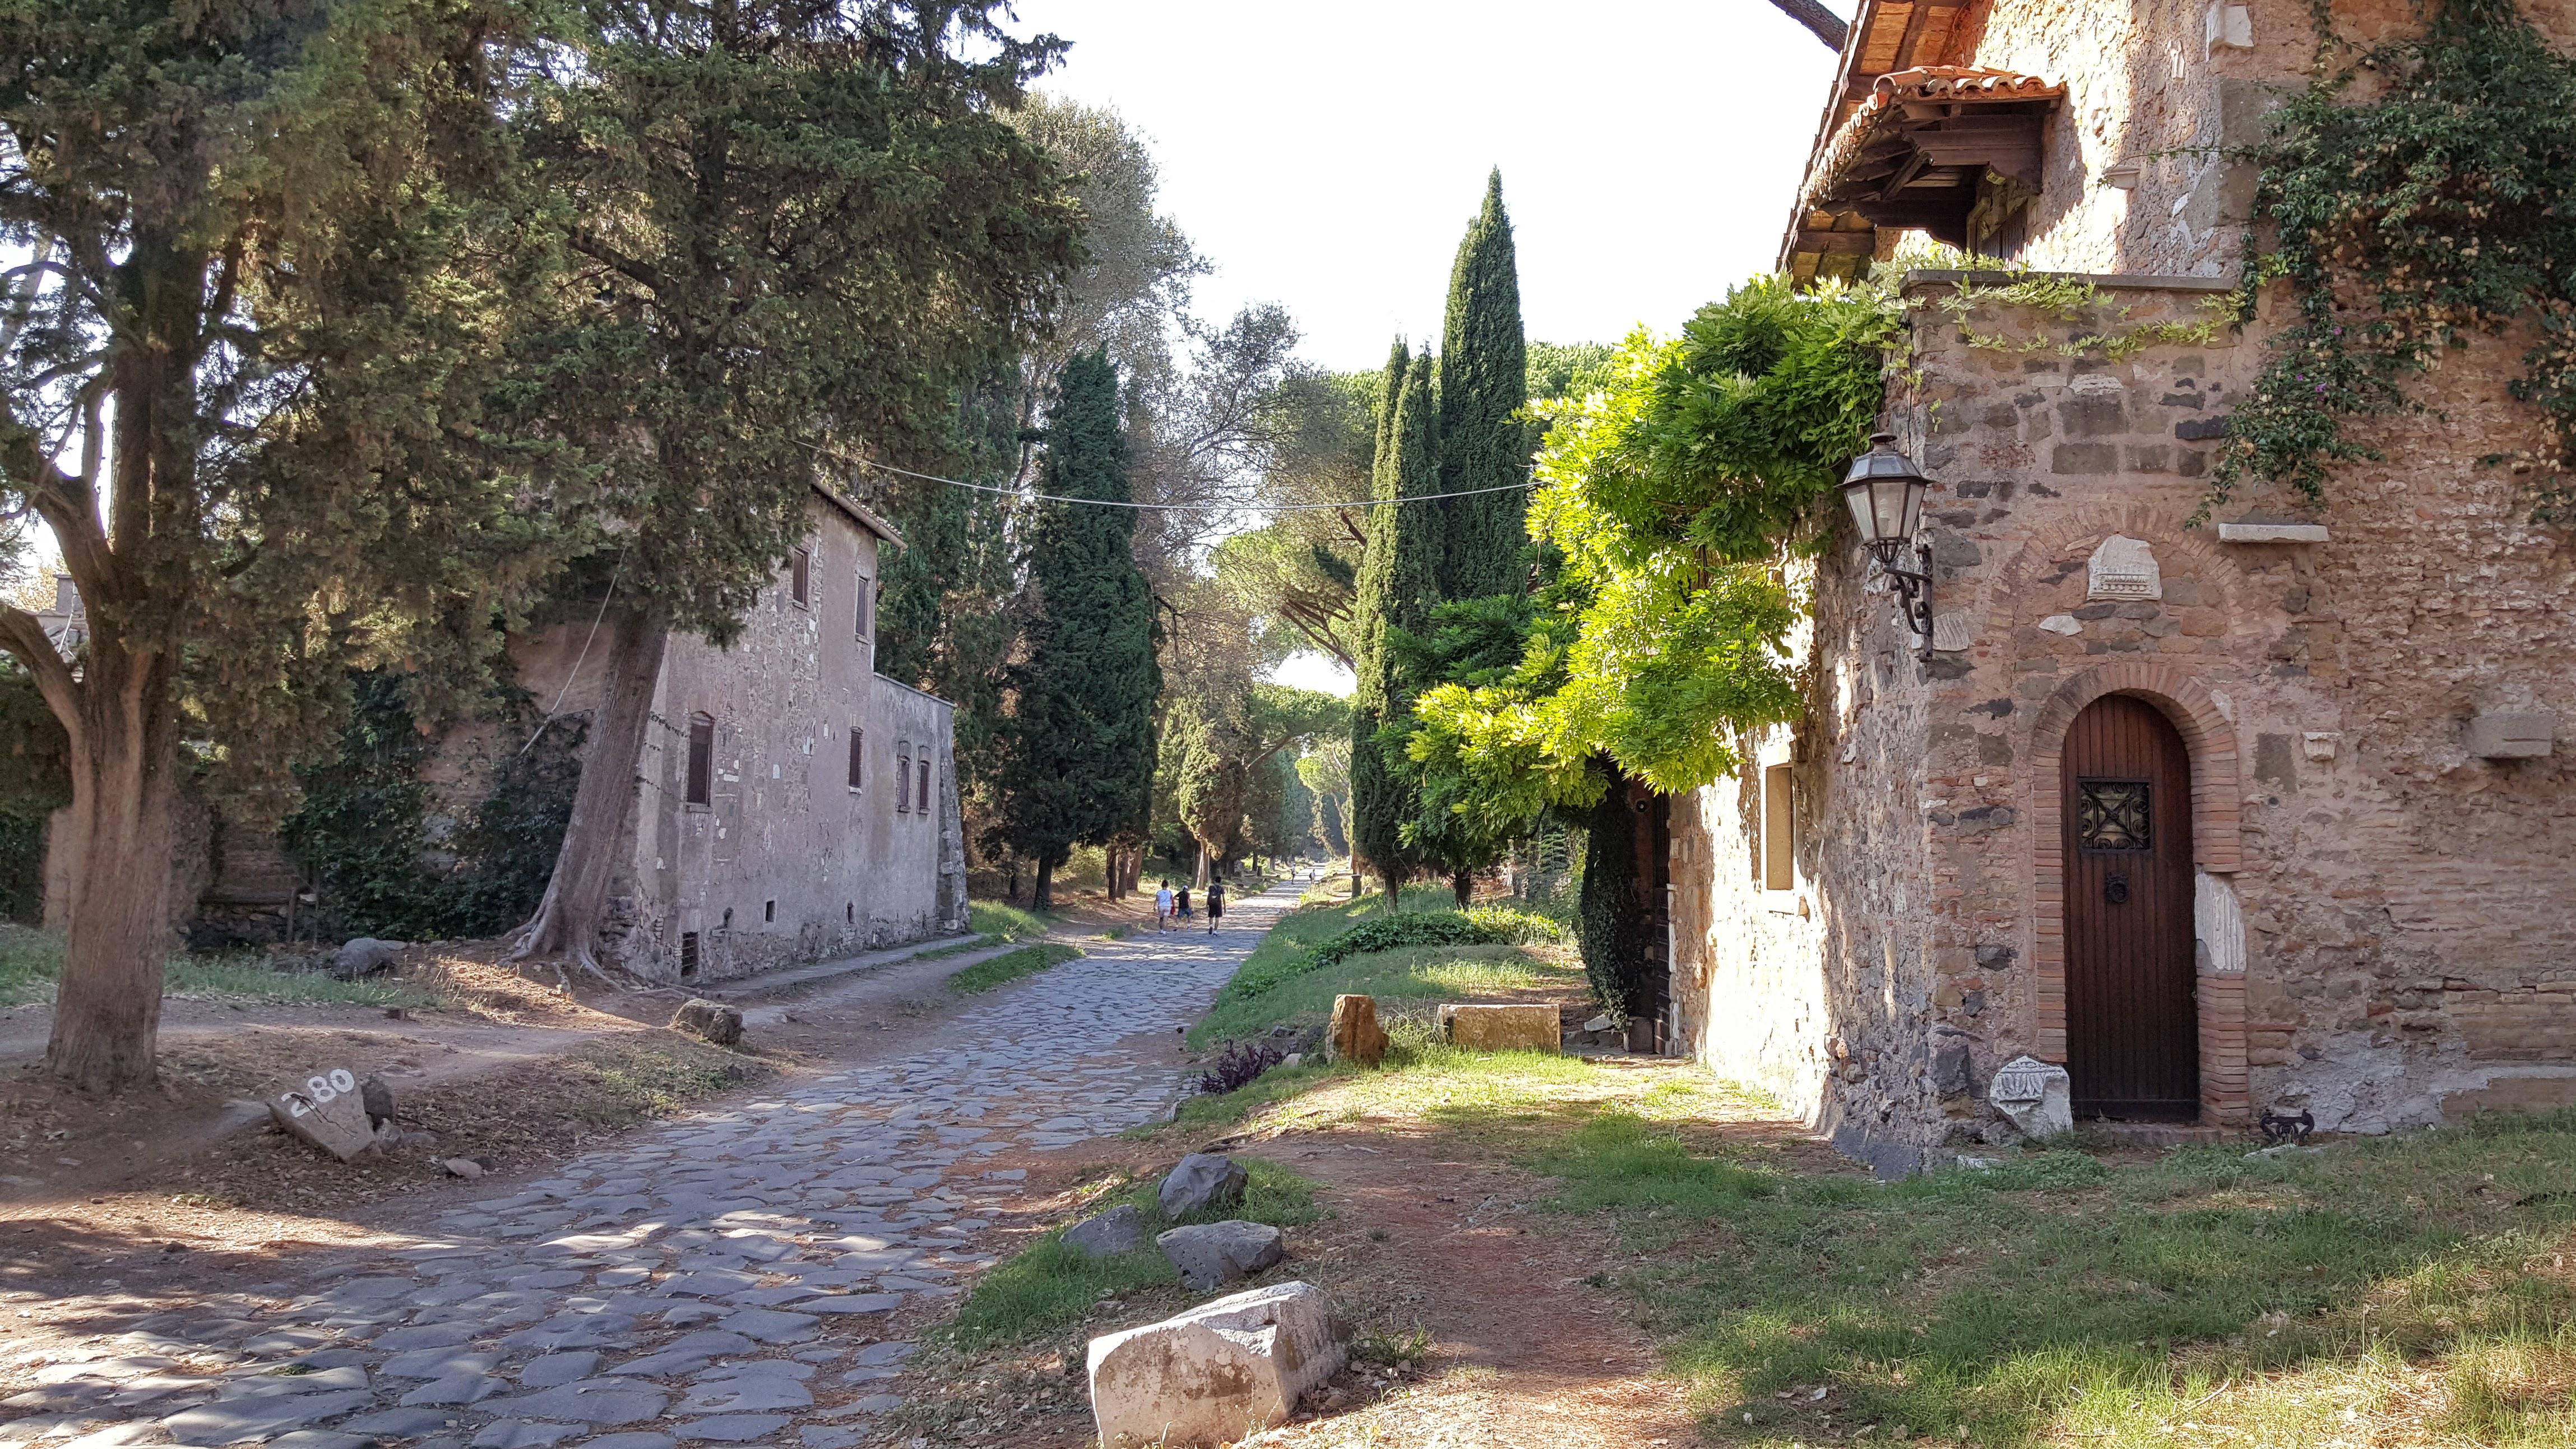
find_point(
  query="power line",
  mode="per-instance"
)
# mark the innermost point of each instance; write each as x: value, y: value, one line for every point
x: 1175, y: 507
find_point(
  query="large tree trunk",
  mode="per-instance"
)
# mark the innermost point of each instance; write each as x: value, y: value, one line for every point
x: 576, y: 901
x: 1206, y: 871
x: 1463, y: 886
x: 1042, y: 898
x: 116, y: 848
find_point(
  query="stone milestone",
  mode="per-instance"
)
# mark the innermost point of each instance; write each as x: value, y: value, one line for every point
x: 325, y: 1108
x: 2034, y: 1096
x: 711, y: 1021
x: 1355, y: 1035
x: 1527, y: 1026
x: 1213, y: 1255
x: 1216, y: 1373
x: 1202, y: 1180
x: 1119, y: 1230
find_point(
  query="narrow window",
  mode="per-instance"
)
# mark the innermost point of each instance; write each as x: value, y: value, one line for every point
x: 850, y: 913
x: 800, y: 574
x: 688, y: 955
x: 769, y: 911
x: 858, y: 757
x: 902, y: 772
x: 702, y: 759
x: 867, y: 608
x: 925, y: 785
x: 1779, y: 831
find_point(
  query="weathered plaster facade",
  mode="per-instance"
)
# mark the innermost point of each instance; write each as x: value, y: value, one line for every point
x: 2384, y: 916
x: 785, y: 860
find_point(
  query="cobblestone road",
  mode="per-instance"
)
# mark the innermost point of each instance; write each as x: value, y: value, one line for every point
x: 712, y: 1280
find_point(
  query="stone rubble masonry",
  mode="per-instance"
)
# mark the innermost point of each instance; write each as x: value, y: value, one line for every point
x: 2408, y: 951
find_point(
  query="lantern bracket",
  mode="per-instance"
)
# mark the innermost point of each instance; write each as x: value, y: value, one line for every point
x: 1913, y: 586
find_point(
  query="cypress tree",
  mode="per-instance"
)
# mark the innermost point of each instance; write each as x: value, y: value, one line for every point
x: 1077, y: 750
x: 1398, y: 587
x: 1484, y: 380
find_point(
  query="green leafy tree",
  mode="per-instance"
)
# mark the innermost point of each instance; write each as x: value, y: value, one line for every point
x: 1227, y: 746
x: 1399, y: 583
x: 1484, y: 381
x: 1326, y: 770
x: 792, y: 229
x: 1078, y: 744
x: 256, y: 293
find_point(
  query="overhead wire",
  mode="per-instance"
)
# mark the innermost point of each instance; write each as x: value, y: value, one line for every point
x: 1176, y: 507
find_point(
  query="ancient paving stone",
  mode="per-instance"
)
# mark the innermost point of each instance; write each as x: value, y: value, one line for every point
x: 860, y: 1188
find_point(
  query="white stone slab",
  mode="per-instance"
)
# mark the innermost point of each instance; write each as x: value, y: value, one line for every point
x: 2038, y: 1098
x: 2271, y: 533
x: 2124, y: 568
x: 1217, y: 1373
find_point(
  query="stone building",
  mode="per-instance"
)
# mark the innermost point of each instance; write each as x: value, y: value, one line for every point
x: 2267, y: 813
x: 792, y: 804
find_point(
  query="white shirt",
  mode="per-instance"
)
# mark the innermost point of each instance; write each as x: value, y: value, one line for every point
x: 1163, y: 900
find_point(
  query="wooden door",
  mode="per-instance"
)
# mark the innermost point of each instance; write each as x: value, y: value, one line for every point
x: 2132, y: 1035
x: 1647, y: 1027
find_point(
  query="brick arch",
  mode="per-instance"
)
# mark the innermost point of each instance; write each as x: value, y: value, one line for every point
x: 2217, y: 799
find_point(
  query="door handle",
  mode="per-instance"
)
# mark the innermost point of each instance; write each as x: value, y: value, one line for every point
x: 2115, y: 889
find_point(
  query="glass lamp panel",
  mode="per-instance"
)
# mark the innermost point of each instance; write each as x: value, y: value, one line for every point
x: 1857, y: 496
x: 1915, y: 488
x: 1890, y: 497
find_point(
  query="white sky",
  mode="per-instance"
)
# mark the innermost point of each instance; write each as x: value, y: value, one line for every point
x: 1327, y: 155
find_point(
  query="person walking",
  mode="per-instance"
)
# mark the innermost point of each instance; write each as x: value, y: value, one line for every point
x: 1216, y: 904
x: 1181, y: 904
x: 1163, y: 908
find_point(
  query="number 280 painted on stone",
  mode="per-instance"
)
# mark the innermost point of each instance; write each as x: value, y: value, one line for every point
x: 318, y: 1090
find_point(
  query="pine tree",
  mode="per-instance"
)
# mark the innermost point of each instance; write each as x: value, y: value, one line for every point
x: 1484, y: 381
x: 1398, y: 588
x: 1077, y: 751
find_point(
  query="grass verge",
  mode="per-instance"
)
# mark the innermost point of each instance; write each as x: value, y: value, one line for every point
x: 1048, y: 1287
x: 1296, y: 933
x: 957, y: 948
x: 31, y: 962
x: 1005, y: 922
x: 1011, y: 966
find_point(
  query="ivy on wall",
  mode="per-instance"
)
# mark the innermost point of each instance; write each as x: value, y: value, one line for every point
x: 365, y: 829
x: 2441, y: 206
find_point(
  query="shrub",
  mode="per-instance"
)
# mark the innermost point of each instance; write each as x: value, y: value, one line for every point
x: 1512, y: 926
x: 1380, y: 933
x: 1238, y: 1066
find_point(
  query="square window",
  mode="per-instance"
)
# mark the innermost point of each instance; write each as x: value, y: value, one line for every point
x: 2112, y: 815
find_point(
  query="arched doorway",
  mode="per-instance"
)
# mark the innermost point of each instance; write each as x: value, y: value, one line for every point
x: 2132, y: 1037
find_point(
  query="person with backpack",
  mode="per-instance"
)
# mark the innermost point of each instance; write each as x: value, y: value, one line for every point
x: 1216, y: 904
x: 1181, y: 904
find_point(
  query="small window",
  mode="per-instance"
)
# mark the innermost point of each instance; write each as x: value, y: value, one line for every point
x: 688, y: 955
x: 858, y: 757
x: 769, y: 911
x: 850, y: 913
x: 867, y: 608
x: 800, y: 578
x: 702, y: 759
x: 924, y: 807
x: 902, y: 772
x: 1779, y: 831
x: 2112, y: 815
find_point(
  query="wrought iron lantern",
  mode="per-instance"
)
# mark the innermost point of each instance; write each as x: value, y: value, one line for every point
x: 1885, y: 494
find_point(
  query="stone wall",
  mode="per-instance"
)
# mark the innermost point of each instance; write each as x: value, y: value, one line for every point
x: 2386, y: 934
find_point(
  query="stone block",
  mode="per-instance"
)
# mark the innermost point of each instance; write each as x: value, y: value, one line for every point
x: 1212, y: 1255
x: 712, y: 1021
x: 2271, y: 533
x: 2518, y: 736
x: 1217, y: 1373
x: 1201, y: 1181
x: 326, y: 1109
x: 1119, y: 1230
x: 1355, y: 1035
x: 2034, y: 1096
x: 1532, y: 1027
x: 364, y: 956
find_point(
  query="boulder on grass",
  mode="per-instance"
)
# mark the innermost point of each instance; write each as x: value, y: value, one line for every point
x: 1215, y: 1374
x: 364, y: 956
x: 1201, y: 1181
x: 709, y: 1021
x: 1209, y: 1256
x: 1356, y: 1036
x: 1532, y: 1027
x: 1119, y: 1230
